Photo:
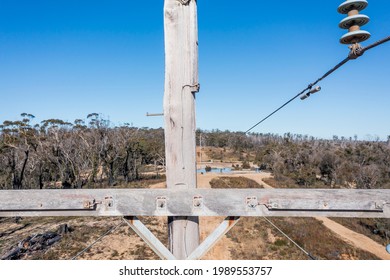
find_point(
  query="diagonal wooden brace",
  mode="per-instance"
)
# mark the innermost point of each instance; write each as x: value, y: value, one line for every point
x: 146, y: 235
x: 164, y: 253
x: 213, y: 238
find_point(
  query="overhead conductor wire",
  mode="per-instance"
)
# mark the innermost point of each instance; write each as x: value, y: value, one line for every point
x: 351, y: 56
x: 97, y: 240
x: 295, y: 243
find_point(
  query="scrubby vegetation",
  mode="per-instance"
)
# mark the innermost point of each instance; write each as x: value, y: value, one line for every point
x: 257, y: 239
x: 234, y: 182
x: 307, y: 161
x: 93, y: 153
x: 55, y: 153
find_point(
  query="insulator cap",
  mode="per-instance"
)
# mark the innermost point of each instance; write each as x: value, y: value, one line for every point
x: 355, y: 37
x: 354, y: 20
x: 350, y: 5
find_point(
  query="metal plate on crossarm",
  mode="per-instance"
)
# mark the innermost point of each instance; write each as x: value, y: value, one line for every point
x: 326, y: 205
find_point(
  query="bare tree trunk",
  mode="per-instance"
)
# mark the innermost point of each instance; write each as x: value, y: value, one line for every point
x: 181, y: 78
x: 18, y: 178
x: 126, y: 166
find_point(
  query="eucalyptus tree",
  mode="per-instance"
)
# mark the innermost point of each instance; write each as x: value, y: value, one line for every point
x: 18, y: 140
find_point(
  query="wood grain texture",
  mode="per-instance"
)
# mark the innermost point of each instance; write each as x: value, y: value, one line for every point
x: 181, y: 73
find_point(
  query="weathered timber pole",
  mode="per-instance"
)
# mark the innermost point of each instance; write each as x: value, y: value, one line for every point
x: 181, y: 84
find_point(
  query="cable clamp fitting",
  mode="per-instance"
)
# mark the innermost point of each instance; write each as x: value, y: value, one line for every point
x: 194, y: 88
x: 184, y: 2
x: 356, y: 51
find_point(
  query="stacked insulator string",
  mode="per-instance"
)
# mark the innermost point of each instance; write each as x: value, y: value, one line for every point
x: 353, y: 22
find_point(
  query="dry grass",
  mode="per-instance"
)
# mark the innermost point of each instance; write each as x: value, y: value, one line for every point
x: 256, y: 239
x: 287, y: 183
x: 143, y: 183
x: 84, y: 231
x: 220, y: 154
x: 234, y: 182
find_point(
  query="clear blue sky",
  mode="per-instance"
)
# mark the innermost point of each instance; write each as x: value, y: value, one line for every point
x: 66, y: 59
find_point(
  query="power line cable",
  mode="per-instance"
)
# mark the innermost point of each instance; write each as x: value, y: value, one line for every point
x: 355, y: 53
x: 296, y: 244
x: 380, y: 42
x: 97, y: 240
x: 285, y: 104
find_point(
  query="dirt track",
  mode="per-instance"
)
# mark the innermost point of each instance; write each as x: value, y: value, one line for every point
x: 356, y: 239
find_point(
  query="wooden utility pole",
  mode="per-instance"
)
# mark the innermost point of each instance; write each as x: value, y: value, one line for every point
x: 181, y: 84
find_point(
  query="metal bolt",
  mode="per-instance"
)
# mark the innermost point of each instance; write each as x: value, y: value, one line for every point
x: 251, y: 203
x: 161, y: 203
x: 109, y: 202
x: 325, y: 204
x: 197, y: 202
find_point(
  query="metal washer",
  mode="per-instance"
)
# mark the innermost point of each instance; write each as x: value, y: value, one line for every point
x: 350, y: 5
x: 355, y: 37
